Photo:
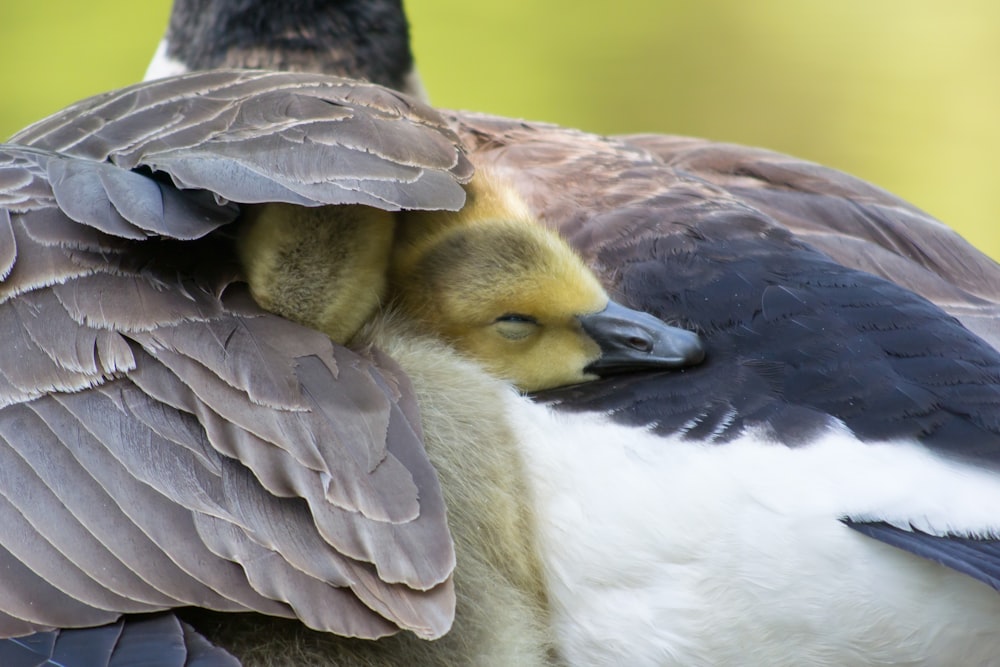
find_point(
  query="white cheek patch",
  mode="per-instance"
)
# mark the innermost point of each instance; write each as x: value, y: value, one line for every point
x: 162, y: 65
x: 414, y: 85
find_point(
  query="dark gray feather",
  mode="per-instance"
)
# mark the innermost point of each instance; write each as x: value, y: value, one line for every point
x: 412, y: 552
x: 201, y: 653
x: 37, y: 266
x: 318, y: 605
x: 58, y: 648
x: 27, y: 369
x: 855, y: 223
x: 90, y: 352
x: 133, y: 303
x: 49, y: 226
x: 151, y: 641
x: 29, y: 598
x: 8, y: 245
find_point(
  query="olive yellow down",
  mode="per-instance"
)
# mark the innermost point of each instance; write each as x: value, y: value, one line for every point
x: 487, y: 279
x: 323, y: 267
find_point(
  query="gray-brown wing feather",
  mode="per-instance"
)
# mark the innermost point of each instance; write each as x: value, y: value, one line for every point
x: 165, y: 441
x: 268, y: 136
x: 170, y: 478
x: 131, y: 553
x: 854, y: 222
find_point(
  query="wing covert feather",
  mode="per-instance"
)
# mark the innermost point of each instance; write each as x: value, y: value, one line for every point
x: 195, y: 449
x: 268, y: 136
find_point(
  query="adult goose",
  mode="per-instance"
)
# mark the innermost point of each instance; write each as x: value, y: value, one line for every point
x: 836, y: 395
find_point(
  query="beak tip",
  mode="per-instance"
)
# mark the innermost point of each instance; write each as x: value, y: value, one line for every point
x: 695, y: 352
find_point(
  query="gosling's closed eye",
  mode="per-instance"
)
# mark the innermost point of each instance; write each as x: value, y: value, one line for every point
x: 513, y: 326
x: 515, y: 317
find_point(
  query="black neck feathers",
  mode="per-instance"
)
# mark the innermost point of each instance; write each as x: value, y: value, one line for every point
x: 360, y: 39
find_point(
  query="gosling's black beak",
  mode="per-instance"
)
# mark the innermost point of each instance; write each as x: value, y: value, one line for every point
x: 631, y: 340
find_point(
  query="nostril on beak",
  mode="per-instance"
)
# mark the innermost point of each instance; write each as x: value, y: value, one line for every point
x: 640, y: 344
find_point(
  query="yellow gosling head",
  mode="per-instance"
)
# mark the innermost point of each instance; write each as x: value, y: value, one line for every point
x: 515, y: 297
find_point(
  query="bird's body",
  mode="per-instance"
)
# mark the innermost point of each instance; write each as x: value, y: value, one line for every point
x: 822, y: 490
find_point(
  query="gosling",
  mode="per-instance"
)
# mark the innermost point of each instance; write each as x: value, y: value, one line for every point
x: 488, y: 280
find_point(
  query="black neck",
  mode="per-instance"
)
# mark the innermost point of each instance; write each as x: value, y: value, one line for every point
x: 360, y: 39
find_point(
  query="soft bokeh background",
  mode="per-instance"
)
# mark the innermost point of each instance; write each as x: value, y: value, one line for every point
x: 904, y: 93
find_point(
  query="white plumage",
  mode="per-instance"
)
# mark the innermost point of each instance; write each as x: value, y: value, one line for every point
x: 666, y: 551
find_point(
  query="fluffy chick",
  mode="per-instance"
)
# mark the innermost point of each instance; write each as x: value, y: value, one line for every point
x: 488, y: 280
x: 323, y: 267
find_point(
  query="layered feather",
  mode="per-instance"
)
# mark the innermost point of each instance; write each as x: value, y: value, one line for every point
x: 168, y: 443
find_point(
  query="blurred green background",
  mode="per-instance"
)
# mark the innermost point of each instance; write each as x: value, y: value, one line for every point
x: 903, y: 93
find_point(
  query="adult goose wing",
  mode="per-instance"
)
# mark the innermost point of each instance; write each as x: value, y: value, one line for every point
x: 165, y: 441
x: 853, y: 222
x: 863, y: 227
x: 799, y: 344
x: 253, y: 137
